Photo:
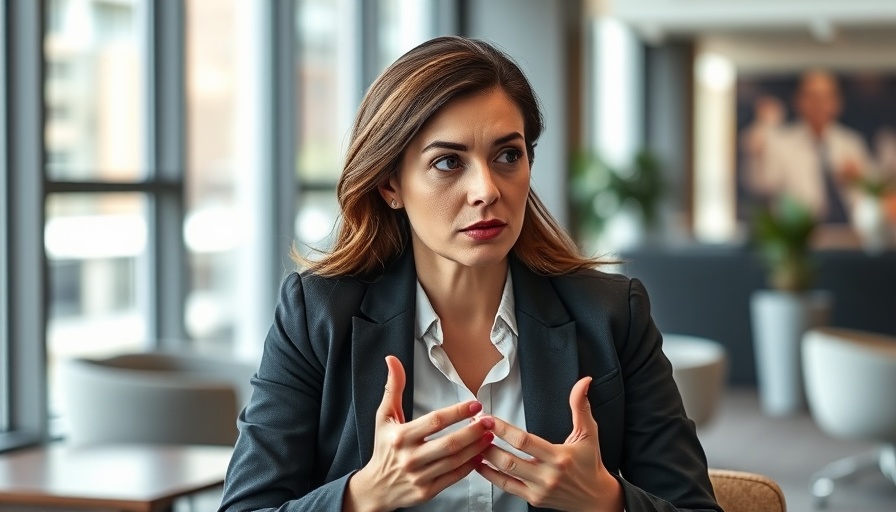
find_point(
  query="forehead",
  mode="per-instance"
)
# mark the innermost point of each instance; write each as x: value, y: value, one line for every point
x: 819, y: 83
x: 492, y: 109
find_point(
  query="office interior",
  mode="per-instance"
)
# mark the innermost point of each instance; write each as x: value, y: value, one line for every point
x: 161, y: 158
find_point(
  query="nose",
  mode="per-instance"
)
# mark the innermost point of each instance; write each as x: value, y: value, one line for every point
x: 482, y: 188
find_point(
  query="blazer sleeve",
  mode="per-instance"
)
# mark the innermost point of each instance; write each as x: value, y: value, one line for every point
x: 273, y: 461
x: 661, y: 455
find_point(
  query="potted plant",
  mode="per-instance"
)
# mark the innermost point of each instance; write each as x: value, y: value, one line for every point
x: 781, y: 314
x: 599, y: 192
x: 870, y: 217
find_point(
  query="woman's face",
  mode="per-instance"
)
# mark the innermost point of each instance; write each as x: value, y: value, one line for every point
x: 464, y: 181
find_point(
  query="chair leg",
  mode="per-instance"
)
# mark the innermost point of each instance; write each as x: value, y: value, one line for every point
x: 825, y: 479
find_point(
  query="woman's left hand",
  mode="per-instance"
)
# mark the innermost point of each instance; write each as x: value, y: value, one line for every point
x: 568, y: 476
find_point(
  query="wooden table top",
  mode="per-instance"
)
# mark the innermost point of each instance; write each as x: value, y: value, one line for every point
x: 139, y: 478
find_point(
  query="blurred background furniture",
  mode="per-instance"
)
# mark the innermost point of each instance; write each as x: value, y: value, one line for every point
x: 129, y: 478
x: 154, y: 398
x: 698, y: 367
x: 739, y: 491
x: 705, y: 291
x: 850, y: 380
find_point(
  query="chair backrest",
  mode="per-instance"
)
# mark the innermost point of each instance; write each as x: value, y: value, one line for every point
x: 850, y: 377
x: 739, y: 491
x: 148, y: 398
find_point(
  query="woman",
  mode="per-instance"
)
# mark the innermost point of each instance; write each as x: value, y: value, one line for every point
x: 503, y: 351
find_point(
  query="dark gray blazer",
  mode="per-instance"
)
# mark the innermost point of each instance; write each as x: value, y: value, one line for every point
x: 310, y: 422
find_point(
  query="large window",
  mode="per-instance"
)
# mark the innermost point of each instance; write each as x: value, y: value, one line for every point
x: 93, y: 88
x: 150, y: 153
x: 332, y: 79
x: 95, y: 235
x: 216, y: 35
x: 328, y: 93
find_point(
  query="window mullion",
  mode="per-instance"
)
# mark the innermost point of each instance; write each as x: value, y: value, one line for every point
x: 165, y: 159
x: 4, y: 242
x: 368, y: 13
x: 26, y: 258
x: 283, y: 112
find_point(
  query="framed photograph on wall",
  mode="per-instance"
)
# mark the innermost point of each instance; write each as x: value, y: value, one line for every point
x: 779, y: 116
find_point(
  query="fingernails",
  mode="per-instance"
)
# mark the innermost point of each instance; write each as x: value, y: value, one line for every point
x: 487, y: 422
x: 475, y: 407
x: 488, y: 437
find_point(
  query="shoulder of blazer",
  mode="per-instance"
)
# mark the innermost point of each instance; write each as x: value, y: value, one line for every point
x: 594, y: 287
x: 374, y: 297
x: 601, y: 302
x: 584, y: 296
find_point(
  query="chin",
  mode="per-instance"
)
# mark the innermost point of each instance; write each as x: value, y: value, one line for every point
x: 484, y: 256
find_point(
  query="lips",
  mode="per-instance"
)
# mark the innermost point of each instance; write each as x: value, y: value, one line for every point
x: 484, y: 230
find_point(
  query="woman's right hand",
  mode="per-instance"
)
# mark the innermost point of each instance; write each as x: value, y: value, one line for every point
x: 405, y: 469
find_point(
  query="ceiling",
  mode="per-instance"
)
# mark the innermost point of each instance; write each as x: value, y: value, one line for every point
x: 819, y: 20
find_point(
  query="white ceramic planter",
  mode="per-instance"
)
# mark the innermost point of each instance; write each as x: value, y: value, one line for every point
x: 779, y: 321
x: 698, y: 368
x: 870, y: 221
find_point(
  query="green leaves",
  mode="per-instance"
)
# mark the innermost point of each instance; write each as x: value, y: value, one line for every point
x: 599, y: 191
x: 874, y: 184
x: 782, y: 233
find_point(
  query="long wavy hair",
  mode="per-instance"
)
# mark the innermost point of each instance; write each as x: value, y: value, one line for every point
x: 396, y: 106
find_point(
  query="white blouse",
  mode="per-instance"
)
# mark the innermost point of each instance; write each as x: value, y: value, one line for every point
x: 437, y: 385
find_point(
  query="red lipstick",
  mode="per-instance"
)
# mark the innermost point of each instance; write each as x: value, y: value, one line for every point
x: 484, y: 230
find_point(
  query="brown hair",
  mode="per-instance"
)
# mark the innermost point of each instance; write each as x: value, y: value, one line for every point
x: 398, y: 103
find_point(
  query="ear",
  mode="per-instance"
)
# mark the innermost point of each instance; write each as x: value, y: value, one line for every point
x: 390, y: 189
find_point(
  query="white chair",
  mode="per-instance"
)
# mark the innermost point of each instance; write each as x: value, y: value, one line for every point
x: 699, y: 366
x: 850, y: 378
x: 154, y: 398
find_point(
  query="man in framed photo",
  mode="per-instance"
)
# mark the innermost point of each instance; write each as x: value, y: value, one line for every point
x: 814, y: 159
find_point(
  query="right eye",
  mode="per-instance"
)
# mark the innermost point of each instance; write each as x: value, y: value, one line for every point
x: 447, y: 163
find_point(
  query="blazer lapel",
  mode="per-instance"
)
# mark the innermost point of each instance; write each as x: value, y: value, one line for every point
x: 548, y: 354
x: 384, y: 327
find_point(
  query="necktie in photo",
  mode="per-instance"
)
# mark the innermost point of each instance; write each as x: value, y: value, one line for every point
x: 835, y: 209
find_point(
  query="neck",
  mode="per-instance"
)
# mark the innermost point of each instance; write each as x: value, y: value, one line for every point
x: 817, y: 129
x: 461, y: 293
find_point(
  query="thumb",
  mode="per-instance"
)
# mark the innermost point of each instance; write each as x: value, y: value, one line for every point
x: 582, y: 421
x: 390, y: 407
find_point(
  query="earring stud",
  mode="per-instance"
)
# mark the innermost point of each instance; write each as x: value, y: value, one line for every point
x: 394, y: 204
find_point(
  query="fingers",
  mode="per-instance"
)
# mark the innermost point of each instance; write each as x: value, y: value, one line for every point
x: 390, y: 407
x: 522, y: 440
x: 453, y: 449
x: 505, y: 462
x: 446, y: 464
x: 452, y: 477
x: 503, y: 481
x: 582, y: 420
x: 436, y: 421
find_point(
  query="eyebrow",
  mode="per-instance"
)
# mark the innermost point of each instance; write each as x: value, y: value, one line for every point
x: 456, y: 146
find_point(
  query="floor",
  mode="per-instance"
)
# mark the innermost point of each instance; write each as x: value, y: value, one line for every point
x: 789, y: 449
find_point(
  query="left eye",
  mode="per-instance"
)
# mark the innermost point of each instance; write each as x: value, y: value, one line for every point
x: 510, y: 156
